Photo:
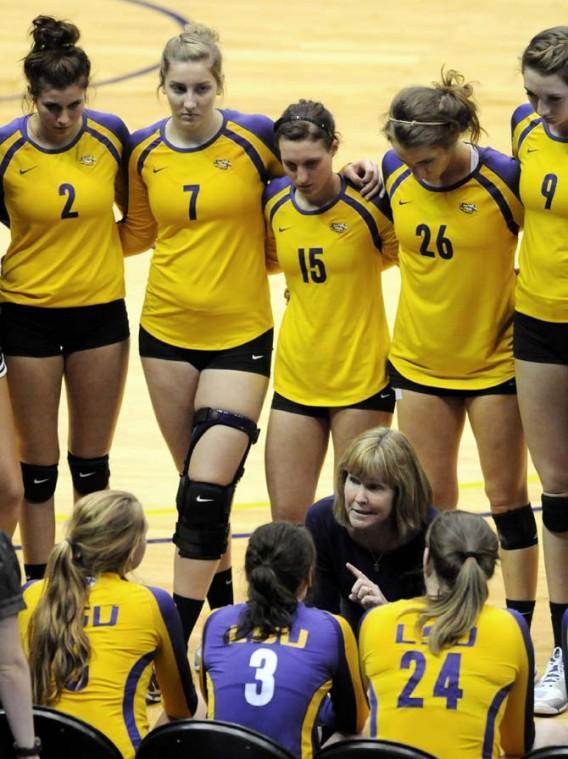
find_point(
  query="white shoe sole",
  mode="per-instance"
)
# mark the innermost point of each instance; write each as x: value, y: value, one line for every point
x: 545, y: 710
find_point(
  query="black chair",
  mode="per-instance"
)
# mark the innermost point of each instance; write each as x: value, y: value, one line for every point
x: 371, y: 747
x: 62, y: 737
x: 208, y: 739
x: 548, y: 752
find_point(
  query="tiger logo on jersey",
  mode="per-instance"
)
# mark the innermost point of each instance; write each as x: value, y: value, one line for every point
x: 88, y: 160
x: 338, y: 226
x: 468, y: 207
x: 222, y: 163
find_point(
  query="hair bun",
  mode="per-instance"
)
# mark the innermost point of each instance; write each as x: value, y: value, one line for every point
x: 50, y: 34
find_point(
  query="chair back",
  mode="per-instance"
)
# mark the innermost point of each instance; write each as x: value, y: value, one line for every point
x: 548, y: 752
x: 62, y: 737
x: 371, y: 747
x: 208, y: 739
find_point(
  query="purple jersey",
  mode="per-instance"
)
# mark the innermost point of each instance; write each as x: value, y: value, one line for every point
x: 278, y: 686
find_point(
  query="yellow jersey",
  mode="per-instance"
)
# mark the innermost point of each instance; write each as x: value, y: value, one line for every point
x: 64, y: 249
x: 201, y: 209
x: 334, y: 337
x: 542, y: 286
x: 130, y: 627
x: 466, y: 702
x: 453, y: 326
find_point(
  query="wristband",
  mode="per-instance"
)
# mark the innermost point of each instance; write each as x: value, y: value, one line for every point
x: 33, y: 751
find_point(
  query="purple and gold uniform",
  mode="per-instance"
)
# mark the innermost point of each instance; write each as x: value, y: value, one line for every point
x: 277, y: 686
x: 129, y: 627
x: 65, y: 249
x: 542, y: 286
x: 201, y: 208
x: 332, y: 261
x: 453, y: 326
x: 464, y: 703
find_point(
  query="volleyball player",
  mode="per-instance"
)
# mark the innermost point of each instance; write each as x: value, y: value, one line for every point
x: 195, y: 186
x: 92, y: 635
x: 456, y: 669
x: 540, y: 142
x: 456, y: 215
x: 330, y: 375
x: 63, y: 316
x: 270, y: 663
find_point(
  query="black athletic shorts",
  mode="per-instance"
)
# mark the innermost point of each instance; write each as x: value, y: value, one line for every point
x: 402, y: 383
x: 384, y: 400
x: 41, y: 332
x: 253, y: 356
x: 539, y: 341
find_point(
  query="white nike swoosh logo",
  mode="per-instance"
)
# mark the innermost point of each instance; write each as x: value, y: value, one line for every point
x: 86, y: 474
x: 255, y: 358
x: 39, y: 482
x: 204, y: 500
x: 385, y: 395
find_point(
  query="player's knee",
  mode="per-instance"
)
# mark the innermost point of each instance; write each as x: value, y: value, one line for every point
x: 89, y: 475
x: 555, y: 512
x: 203, y: 525
x: 39, y: 481
x: 204, y: 508
x: 516, y: 528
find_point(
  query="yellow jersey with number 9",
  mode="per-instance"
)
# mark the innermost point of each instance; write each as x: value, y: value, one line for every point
x: 64, y: 248
x: 542, y: 286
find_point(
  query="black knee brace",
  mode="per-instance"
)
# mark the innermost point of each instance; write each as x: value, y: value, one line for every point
x: 89, y: 475
x: 516, y: 528
x: 555, y: 512
x: 39, y: 482
x: 203, y: 507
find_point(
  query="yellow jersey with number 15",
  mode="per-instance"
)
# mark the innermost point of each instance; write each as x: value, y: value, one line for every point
x: 334, y: 338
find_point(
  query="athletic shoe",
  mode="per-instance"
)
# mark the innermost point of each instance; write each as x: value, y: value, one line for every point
x: 550, y: 691
x: 153, y: 694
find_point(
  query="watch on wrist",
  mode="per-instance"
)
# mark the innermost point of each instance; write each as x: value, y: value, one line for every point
x: 33, y: 751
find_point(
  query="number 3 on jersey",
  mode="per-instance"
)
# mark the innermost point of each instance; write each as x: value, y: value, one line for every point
x: 446, y: 685
x: 264, y: 661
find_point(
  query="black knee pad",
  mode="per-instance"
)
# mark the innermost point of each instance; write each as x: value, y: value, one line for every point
x: 516, y: 528
x: 204, y: 508
x: 89, y: 475
x: 39, y: 482
x: 555, y: 512
x: 203, y: 526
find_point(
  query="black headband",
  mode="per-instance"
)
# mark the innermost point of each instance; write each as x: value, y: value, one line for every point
x: 292, y: 119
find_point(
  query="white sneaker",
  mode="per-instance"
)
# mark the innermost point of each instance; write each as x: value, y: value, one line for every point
x: 550, y: 691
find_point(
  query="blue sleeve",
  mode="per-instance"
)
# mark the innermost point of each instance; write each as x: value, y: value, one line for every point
x: 261, y: 126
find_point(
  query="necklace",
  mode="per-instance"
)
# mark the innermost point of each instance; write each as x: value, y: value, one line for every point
x: 376, y: 559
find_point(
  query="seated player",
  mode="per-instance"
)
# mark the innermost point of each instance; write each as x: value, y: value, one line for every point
x: 270, y: 663
x: 92, y: 635
x: 449, y: 673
